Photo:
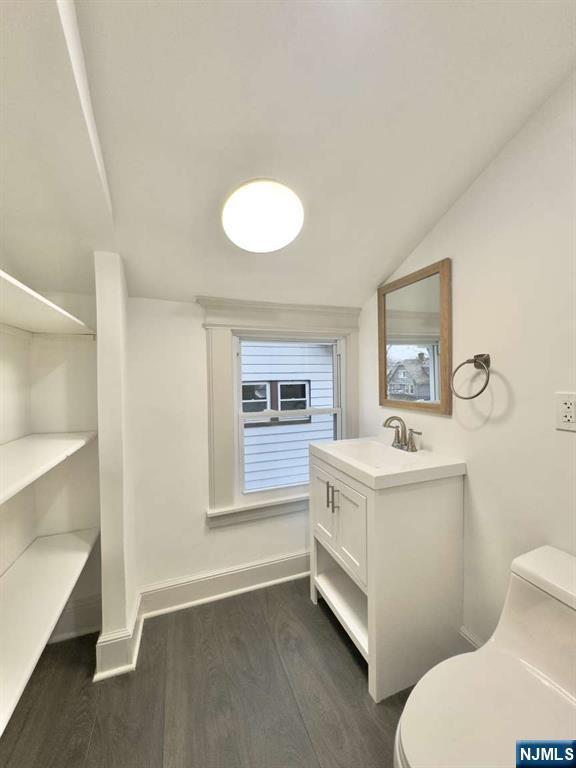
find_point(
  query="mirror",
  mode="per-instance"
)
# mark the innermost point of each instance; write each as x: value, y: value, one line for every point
x: 415, y: 340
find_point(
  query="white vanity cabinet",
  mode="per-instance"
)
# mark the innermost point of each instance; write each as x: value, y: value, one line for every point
x: 386, y: 554
x: 339, y: 520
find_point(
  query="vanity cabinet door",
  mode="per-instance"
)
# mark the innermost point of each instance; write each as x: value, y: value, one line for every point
x: 351, y: 535
x: 323, y: 518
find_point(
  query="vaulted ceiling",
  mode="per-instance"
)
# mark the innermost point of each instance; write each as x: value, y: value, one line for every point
x: 378, y: 114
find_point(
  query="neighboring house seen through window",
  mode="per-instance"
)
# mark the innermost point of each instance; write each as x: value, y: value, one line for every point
x: 414, y: 371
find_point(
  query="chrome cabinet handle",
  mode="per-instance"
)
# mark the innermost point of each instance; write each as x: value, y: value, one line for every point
x: 327, y: 495
x: 334, y: 506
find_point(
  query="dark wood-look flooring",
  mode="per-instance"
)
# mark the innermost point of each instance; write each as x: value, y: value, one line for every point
x: 261, y: 680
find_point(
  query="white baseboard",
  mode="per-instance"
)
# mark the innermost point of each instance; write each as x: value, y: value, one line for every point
x: 176, y: 594
x: 117, y: 652
x: 471, y: 638
x: 80, y: 617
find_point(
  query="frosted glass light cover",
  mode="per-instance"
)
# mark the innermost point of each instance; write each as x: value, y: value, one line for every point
x: 262, y: 216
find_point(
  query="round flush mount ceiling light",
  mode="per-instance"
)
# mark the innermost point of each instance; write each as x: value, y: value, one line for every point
x: 262, y: 216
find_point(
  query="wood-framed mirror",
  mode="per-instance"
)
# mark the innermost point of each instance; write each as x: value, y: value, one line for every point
x: 415, y: 340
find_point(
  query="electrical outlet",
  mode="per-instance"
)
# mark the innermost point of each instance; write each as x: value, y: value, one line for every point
x: 566, y: 411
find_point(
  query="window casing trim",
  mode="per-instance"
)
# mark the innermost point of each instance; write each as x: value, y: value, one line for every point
x: 223, y: 321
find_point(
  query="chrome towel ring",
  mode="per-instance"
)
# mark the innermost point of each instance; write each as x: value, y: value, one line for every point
x: 482, y: 362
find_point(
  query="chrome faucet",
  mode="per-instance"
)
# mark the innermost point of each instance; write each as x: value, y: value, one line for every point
x: 402, y: 441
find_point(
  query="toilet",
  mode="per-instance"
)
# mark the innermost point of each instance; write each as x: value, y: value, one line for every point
x: 469, y: 711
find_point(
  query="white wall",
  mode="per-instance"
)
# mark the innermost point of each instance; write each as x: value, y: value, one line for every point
x: 63, y: 384
x: 512, y: 241
x: 168, y: 443
x: 14, y: 383
x: 17, y: 522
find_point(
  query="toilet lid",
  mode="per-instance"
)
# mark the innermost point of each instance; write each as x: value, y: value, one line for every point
x: 469, y: 711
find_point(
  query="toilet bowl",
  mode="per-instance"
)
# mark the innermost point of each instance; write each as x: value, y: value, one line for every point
x: 469, y: 711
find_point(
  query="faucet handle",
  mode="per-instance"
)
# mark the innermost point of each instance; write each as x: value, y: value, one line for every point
x: 397, y: 443
x: 411, y: 447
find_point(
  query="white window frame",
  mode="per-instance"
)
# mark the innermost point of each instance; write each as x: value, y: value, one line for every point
x: 281, y: 491
x: 224, y: 321
x: 256, y: 384
x: 288, y: 399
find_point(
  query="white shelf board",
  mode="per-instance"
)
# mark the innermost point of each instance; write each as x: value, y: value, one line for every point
x: 33, y: 593
x: 23, y: 308
x: 25, y: 460
x: 348, y: 603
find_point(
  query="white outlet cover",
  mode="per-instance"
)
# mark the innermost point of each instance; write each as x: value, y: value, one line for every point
x: 566, y: 411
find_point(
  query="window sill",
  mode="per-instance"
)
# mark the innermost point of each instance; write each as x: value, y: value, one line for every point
x: 268, y: 508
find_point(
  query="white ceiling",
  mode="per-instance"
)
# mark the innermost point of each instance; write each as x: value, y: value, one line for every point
x: 52, y: 210
x: 378, y: 114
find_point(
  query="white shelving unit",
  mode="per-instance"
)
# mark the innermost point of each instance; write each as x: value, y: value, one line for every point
x: 25, y: 460
x: 348, y: 603
x: 33, y: 593
x: 23, y: 308
x: 43, y: 553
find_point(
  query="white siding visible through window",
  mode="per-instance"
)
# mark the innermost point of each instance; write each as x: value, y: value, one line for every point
x: 275, y: 454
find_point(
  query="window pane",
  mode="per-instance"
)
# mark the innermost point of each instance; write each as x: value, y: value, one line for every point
x: 293, y: 405
x: 276, y: 455
x: 290, y: 391
x: 300, y: 376
x: 254, y: 392
x: 254, y: 407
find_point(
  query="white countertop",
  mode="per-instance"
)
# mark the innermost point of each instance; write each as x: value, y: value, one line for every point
x: 377, y: 465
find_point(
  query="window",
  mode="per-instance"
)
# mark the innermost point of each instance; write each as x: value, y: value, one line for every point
x: 277, y: 379
x: 293, y: 396
x: 290, y: 397
x: 256, y: 397
x: 276, y: 396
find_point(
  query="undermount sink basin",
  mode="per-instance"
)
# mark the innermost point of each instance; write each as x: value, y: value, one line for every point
x: 377, y: 465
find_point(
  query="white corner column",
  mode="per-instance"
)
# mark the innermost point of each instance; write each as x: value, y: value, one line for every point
x: 117, y: 647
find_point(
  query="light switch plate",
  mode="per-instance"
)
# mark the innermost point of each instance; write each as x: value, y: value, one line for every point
x: 566, y: 411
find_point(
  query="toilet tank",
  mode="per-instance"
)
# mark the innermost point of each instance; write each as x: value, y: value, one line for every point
x: 538, y: 621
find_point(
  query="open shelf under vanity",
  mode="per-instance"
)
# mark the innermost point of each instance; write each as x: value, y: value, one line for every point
x: 346, y: 599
